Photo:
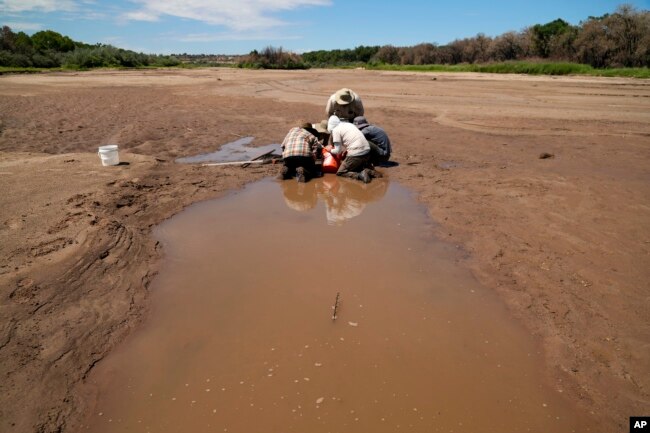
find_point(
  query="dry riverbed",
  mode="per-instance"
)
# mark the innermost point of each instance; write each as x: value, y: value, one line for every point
x: 563, y: 240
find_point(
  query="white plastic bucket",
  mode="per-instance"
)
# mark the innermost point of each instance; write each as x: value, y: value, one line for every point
x: 109, y: 154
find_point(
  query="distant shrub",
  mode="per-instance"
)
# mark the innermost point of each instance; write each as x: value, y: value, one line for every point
x: 87, y: 58
x: 8, y: 58
x: 359, y: 55
x: 166, y: 61
x: 273, y: 58
x: 49, y: 60
x: 109, y: 56
x: 517, y: 67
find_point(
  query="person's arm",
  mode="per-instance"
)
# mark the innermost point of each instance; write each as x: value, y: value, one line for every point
x: 337, y: 149
x: 315, y: 147
x: 337, y: 141
x: 285, y: 141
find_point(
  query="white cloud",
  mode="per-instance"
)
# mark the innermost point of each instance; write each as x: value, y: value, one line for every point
x: 94, y: 15
x: 237, y: 15
x: 37, y: 5
x: 142, y: 15
x: 23, y: 27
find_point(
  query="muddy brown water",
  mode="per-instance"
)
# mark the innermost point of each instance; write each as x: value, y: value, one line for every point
x: 240, y: 337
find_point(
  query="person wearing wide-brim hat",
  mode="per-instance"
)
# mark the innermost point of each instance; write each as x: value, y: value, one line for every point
x: 321, y: 127
x: 345, y: 104
x: 323, y: 133
x: 380, y: 147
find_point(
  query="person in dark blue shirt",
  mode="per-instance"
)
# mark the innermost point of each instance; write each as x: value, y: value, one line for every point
x: 380, y: 147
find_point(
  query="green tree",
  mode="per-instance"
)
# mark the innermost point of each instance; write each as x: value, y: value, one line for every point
x: 364, y: 54
x: 23, y: 43
x: 542, y: 34
x: 49, y: 40
x: 7, y: 39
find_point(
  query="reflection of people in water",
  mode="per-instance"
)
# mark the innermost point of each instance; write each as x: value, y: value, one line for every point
x: 300, y: 196
x: 344, y: 198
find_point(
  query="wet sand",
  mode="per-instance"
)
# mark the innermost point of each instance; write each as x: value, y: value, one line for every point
x: 564, y: 241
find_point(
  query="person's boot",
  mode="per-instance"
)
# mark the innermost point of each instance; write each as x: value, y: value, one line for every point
x: 364, y: 176
x: 284, y: 171
x: 374, y: 173
x: 300, y: 175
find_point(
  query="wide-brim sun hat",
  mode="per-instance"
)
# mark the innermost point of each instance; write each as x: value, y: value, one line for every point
x: 321, y: 127
x: 343, y: 96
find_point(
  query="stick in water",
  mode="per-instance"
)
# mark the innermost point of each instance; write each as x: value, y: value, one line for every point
x: 336, y: 305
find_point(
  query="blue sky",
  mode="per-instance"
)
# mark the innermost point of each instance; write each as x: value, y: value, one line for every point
x: 239, y: 26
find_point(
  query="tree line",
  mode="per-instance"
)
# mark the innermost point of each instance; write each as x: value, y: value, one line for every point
x: 49, y: 49
x: 620, y: 39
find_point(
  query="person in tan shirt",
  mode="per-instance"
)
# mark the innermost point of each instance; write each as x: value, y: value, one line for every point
x: 345, y: 104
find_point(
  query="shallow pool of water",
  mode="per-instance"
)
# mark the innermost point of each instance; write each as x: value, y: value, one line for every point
x: 240, y: 337
x: 237, y: 150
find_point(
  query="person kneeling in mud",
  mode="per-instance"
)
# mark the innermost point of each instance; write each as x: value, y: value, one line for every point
x: 300, y: 149
x: 349, y: 140
x: 380, y: 147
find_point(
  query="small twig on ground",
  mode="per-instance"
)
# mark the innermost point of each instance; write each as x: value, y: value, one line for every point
x: 336, y: 305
